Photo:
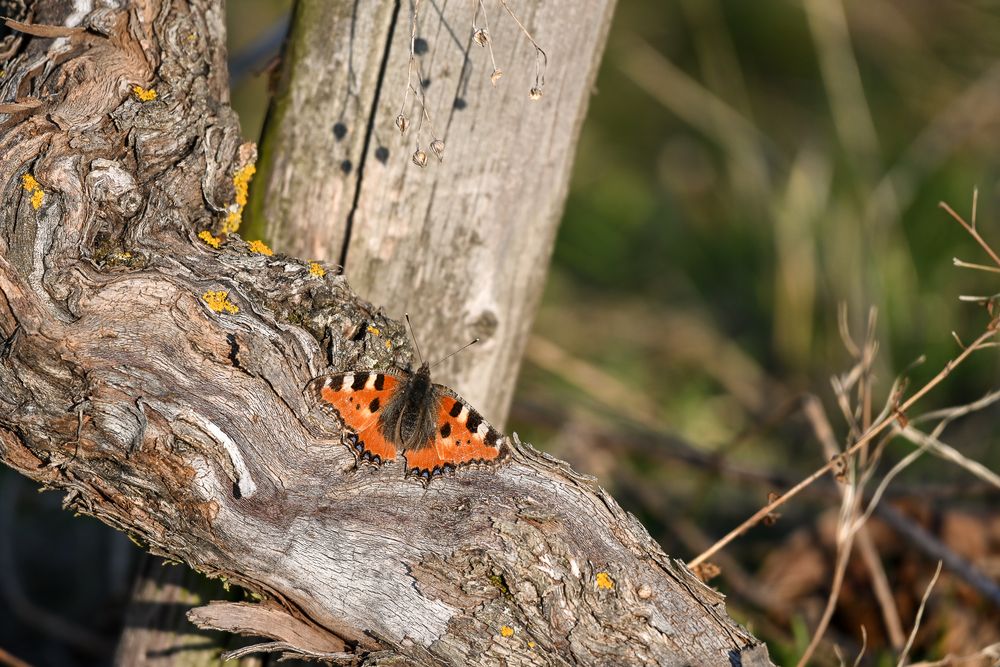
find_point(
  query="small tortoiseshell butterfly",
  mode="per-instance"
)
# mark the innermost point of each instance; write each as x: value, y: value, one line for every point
x: 403, y: 411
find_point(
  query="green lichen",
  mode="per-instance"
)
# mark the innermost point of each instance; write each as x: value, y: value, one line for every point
x: 500, y: 583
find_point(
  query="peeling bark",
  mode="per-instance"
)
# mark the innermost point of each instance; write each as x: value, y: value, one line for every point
x: 163, y: 385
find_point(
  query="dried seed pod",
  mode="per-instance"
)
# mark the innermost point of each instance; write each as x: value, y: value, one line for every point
x: 420, y: 157
x: 438, y: 147
x: 497, y: 73
x: 402, y: 123
x: 535, y: 94
x: 481, y: 36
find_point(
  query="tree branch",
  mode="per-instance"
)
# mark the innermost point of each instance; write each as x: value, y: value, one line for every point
x: 162, y: 384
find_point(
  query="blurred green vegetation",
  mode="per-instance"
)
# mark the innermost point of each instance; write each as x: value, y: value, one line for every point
x: 745, y: 170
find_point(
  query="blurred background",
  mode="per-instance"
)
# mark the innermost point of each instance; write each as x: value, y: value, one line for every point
x: 746, y: 172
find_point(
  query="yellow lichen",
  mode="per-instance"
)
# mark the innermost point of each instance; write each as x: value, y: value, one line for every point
x: 605, y: 581
x: 316, y: 270
x: 207, y: 237
x: 241, y: 184
x: 219, y: 301
x: 373, y: 330
x: 506, y: 631
x: 531, y: 644
x: 260, y: 248
x: 37, y: 194
x: 144, y: 94
x: 388, y: 344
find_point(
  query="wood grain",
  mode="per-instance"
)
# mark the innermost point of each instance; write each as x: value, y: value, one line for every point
x: 163, y: 385
x: 463, y: 245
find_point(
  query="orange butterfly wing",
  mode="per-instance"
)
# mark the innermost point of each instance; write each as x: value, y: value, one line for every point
x: 358, y: 398
x: 462, y: 437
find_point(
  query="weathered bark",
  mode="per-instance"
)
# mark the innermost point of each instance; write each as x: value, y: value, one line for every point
x: 470, y: 237
x: 184, y: 417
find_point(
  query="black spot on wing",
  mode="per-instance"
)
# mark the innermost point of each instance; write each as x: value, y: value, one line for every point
x: 445, y: 430
x: 374, y: 405
x: 473, y: 421
x: 379, y: 382
x: 359, y: 381
x: 456, y: 409
x: 492, y: 437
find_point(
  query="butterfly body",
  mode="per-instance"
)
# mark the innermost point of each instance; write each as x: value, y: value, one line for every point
x: 388, y: 413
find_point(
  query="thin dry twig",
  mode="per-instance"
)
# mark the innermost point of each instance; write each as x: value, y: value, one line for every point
x: 483, y: 37
x: 541, y: 58
x: 864, y: 646
x: 991, y: 653
x: 851, y: 491
x: 972, y: 232
x: 920, y: 614
x: 815, y: 415
x: 883, y: 590
x: 978, y: 267
x: 11, y: 661
x: 880, y: 425
x: 845, y: 541
x: 402, y: 122
x: 932, y: 444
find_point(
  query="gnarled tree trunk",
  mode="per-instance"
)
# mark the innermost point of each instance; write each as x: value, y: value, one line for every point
x: 163, y: 384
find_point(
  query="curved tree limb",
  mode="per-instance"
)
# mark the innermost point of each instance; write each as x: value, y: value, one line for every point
x: 162, y: 384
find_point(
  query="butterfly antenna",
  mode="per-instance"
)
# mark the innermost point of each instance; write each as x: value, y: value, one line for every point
x: 413, y: 336
x: 469, y: 344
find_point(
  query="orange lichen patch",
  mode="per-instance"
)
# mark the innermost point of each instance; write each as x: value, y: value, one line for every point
x: 316, y: 270
x: 144, y: 94
x: 219, y: 301
x: 207, y: 237
x: 605, y: 581
x: 506, y: 631
x: 36, y: 199
x: 241, y: 184
x: 260, y: 248
x: 373, y: 330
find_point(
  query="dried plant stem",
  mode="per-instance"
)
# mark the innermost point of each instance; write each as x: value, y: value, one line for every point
x: 541, y: 59
x: 932, y: 444
x: 412, y: 60
x: 488, y: 39
x: 876, y: 428
x: 10, y: 660
x: 969, y: 265
x: 883, y: 591
x: 991, y: 652
x: 813, y: 410
x: 972, y: 232
x: 920, y: 613
x: 844, y: 544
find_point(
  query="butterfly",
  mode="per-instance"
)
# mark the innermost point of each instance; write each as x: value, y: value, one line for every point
x: 404, y: 412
